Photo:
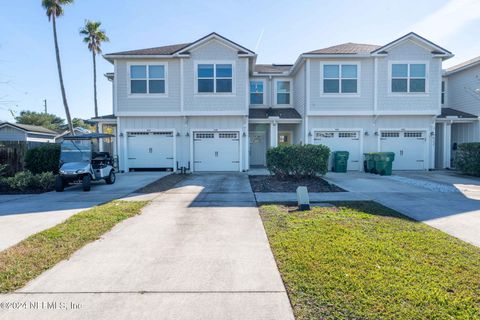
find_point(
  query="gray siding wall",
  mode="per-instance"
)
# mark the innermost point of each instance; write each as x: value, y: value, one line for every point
x: 461, y: 88
x: 132, y: 103
x: 409, y: 52
x: 213, y: 52
x: 364, y: 102
x: 299, y: 88
x: 12, y: 134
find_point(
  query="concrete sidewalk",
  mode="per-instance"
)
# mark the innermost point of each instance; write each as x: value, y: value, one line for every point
x: 24, y: 215
x: 198, y: 251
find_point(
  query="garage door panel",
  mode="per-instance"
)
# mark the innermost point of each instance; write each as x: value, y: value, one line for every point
x: 216, y: 151
x: 150, y: 150
x: 409, y: 148
x: 342, y: 141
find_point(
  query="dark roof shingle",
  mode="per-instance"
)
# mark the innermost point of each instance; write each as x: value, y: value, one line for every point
x: 346, y: 48
x: 165, y: 50
x: 282, y: 113
x: 30, y: 128
x: 449, y: 112
x: 272, y: 68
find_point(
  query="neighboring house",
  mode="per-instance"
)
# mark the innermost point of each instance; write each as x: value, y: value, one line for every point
x: 27, y: 133
x: 459, y: 120
x: 208, y: 106
x: 77, y: 130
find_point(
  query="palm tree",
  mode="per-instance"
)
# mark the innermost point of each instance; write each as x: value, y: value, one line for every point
x: 54, y: 9
x: 94, y: 37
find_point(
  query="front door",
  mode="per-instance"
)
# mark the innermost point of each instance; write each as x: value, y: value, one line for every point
x: 284, y: 138
x: 258, y: 148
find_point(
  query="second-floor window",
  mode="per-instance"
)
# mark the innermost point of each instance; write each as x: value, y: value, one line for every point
x: 409, y: 77
x: 213, y: 78
x: 443, y: 92
x: 147, y: 79
x: 340, y: 78
x: 256, y: 92
x: 283, y: 89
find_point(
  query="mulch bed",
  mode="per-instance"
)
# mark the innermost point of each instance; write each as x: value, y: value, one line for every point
x: 272, y: 184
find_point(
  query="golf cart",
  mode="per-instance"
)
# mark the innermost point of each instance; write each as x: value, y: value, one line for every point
x: 79, y: 163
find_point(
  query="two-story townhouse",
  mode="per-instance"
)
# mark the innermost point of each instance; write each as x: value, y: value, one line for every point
x: 459, y: 119
x: 208, y: 106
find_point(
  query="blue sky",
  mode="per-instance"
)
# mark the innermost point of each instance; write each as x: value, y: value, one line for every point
x: 277, y: 30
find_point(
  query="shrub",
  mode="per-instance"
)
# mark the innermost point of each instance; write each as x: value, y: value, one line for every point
x: 43, y: 159
x: 46, y: 181
x: 22, y: 181
x: 467, y: 158
x: 298, y: 161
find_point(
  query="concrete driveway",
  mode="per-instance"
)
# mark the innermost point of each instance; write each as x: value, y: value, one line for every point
x: 443, y: 200
x: 198, y: 251
x: 24, y: 215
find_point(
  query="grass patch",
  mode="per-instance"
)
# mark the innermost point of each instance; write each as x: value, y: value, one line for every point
x: 39, y: 252
x: 364, y: 261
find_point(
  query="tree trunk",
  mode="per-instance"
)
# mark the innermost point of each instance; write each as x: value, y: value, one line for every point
x: 95, y: 87
x: 59, y: 66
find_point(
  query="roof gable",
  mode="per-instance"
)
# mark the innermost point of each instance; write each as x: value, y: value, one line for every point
x: 229, y: 43
x: 412, y: 36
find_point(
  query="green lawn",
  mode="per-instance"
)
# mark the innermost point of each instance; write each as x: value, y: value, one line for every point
x: 364, y: 261
x: 39, y: 252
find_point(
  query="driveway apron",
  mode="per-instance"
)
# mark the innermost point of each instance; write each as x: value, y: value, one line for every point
x: 198, y: 251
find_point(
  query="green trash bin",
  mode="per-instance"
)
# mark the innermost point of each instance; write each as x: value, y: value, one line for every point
x: 340, y: 161
x: 383, y: 163
x: 368, y: 163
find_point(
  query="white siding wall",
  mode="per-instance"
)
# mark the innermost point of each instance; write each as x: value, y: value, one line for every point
x: 405, y: 52
x: 182, y: 125
x: 151, y: 104
x: 461, y: 88
x: 215, y: 51
x: 299, y: 87
x: 364, y: 102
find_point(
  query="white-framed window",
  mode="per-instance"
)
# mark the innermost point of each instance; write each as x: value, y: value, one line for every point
x: 408, y: 77
x: 340, y: 78
x: 257, y: 92
x: 442, y: 97
x: 214, y: 78
x: 283, y: 91
x: 147, y: 79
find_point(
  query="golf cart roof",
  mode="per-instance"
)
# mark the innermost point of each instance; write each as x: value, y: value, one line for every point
x: 89, y: 136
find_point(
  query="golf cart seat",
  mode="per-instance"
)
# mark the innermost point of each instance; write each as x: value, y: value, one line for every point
x: 101, y: 159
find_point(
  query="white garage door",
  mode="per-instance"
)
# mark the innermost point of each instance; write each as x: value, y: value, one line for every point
x: 342, y: 141
x: 216, y: 151
x: 150, y: 150
x: 409, y: 148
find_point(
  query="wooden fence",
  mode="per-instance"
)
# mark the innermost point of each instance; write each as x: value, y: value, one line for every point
x: 13, y: 153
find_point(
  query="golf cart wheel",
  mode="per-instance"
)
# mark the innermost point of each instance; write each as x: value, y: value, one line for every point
x: 86, y: 182
x: 59, y: 184
x: 111, y: 178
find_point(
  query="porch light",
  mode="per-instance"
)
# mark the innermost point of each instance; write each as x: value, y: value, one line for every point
x: 244, y: 134
x: 187, y: 134
x: 310, y: 133
x: 366, y: 133
x: 178, y: 134
x: 432, y: 133
x: 121, y: 134
x: 376, y: 133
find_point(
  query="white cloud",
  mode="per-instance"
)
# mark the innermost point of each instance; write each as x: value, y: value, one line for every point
x: 445, y: 22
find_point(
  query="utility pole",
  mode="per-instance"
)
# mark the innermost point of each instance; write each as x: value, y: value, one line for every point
x: 45, y: 105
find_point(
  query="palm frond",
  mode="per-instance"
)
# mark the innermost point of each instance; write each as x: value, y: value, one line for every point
x: 93, y: 35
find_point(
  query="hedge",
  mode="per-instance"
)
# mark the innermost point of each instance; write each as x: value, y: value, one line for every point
x: 298, y: 161
x: 45, y: 158
x: 26, y: 181
x: 467, y: 158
